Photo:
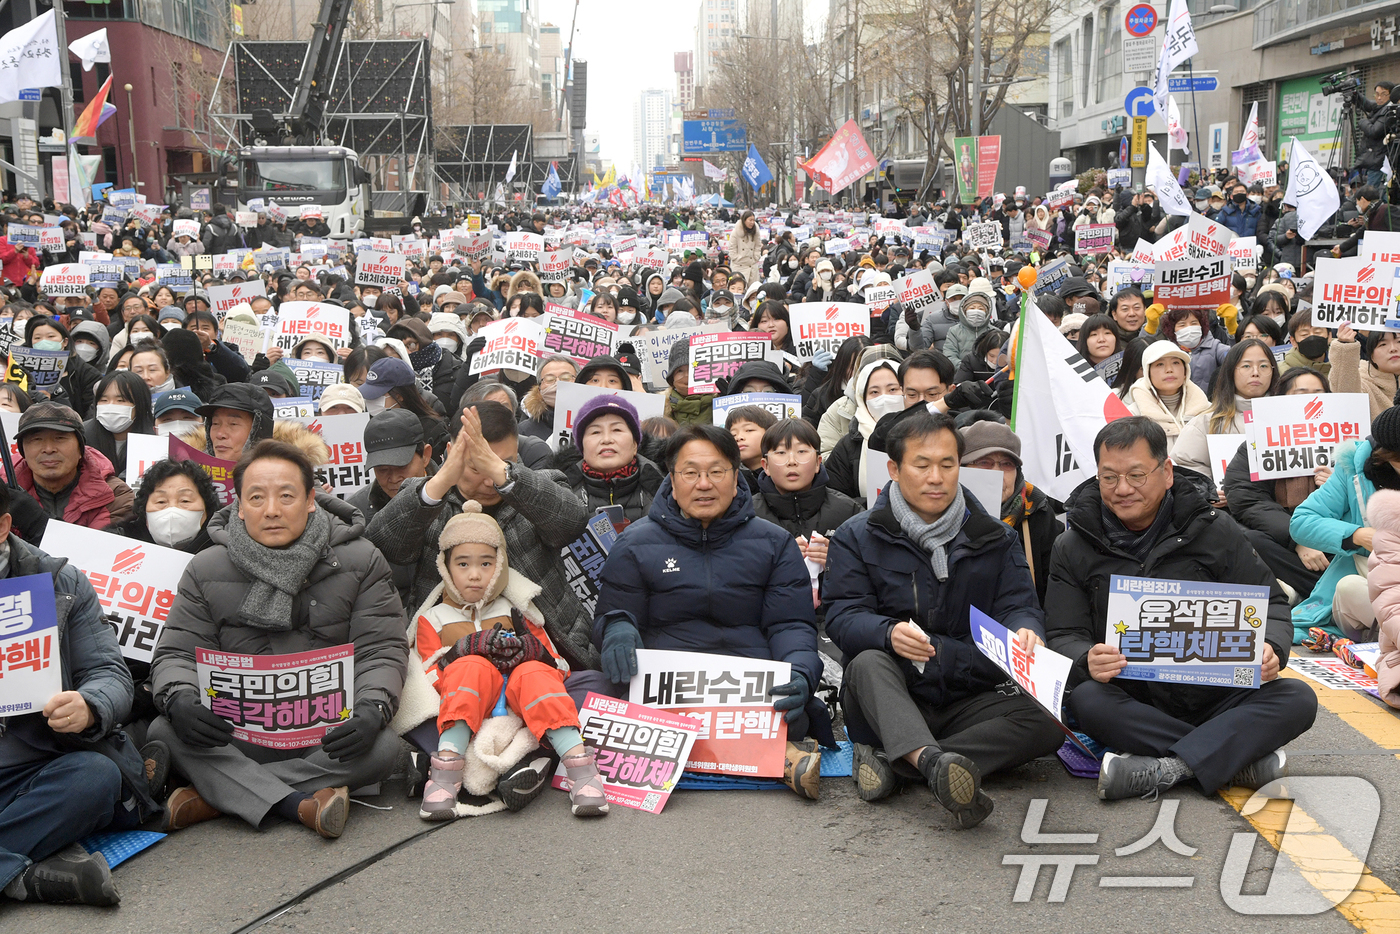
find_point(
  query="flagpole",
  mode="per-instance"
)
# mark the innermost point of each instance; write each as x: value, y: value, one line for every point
x: 1195, y: 125
x: 66, y: 93
x: 1016, y: 353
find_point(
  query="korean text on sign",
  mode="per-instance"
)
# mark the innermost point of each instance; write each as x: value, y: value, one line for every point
x: 279, y: 701
x: 578, y: 334
x: 1291, y: 436
x: 583, y: 559
x: 345, y: 469
x: 30, y: 670
x: 1193, y: 283
x: 826, y: 326
x: 512, y: 344
x: 1353, y: 290
x: 717, y: 356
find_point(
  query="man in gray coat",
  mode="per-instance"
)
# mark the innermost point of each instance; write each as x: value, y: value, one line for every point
x: 290, y: 571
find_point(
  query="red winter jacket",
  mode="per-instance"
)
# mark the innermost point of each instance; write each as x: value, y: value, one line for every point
x: 17, y: 262
x: 99, y: 500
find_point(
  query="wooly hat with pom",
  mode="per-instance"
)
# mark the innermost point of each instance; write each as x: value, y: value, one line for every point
x: 472, y: 525
x: 1383, y: 511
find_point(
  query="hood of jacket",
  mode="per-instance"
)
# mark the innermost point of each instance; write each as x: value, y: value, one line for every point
x: 533, y: 405
x: 758, y: 369
x: 666, y: 512
x: 304, y: 440
x: 98, y: 332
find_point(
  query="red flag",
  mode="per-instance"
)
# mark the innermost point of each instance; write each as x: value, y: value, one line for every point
x: 94, y: 113
x: 842, y: 160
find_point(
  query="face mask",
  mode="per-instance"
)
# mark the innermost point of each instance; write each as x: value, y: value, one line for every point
x: 881, y: 406
x: 1202, y: 205
x: 374, y: 406
x: 115, y: 417
x: 174, y: 428
x: 1239, y: 199
x: 976, y: 317
x: 139, y: 336
x: 792, y: 264
x: 174, y: 526
x: 954, y: 305
x: 48, y: 345
x: 1188, y: 338
x: 87, y: 351
x: 1313, y: 347
x: 626, y: 317
x: 448, y: 344
x: 368, y: 300
x: 1256, y: 198
x: 1278, y: 319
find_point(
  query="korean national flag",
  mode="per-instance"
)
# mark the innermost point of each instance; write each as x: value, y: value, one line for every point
x: 755, y: 170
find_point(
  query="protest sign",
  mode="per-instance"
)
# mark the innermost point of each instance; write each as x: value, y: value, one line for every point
x: 654, y: 258
x: 222, y: 298
x: 583, y: 558
x: 105, y: 275
x: 31, y: 672
x: 640, y: 752
x: 837, y: 245
x: 1223, y: 449
x: 1108, y: 367
x: 1119, y: 275
x: 740, y: 732
x: 577, y: 333
x: 1053, y: 274
x: 344, y: 435
x: 1144, y: 253
x: 1291, y: 436
x: 297, y: 321
x: 523, y: 245
x: 655, y: 351
x: 226, y: 264
x: 184, y: 228
x: 142, y: 451
x: 244, y: 218
x: 1242, y: 253
x: 1056, y: 200
x: 279, y: 701
x: 826, y: 326
x: 1383, y: 246
x: 474, y: 245
x: 1333, y: 673
x: 65, y: 279
x: 51, y: 239
x: 43, y: 367
x: 135, y: 581
x: 1188, y: 632
x: 7, y: 334
x: 984, y: 484
x: 1173, y: 247
x: 314, y: 375
x: 717, y: 356
x: 250, y: 339
x: 176, y: 276
x: 1353, y: 290
x: 23, y: 236
x: 917, y: 292
x: 983, y: 236
x: 1205, y: 237
x: 220, y: 471
x: 1259, y: 171
x: 1193, y: 283
x: 1039, y: 239
x: 1094, y: 238
x: 379, y: 268
x: 878, y: 298
x: 780, y: 404
x: 511, y: 344
x: 555, y: 267
x: 877, y: 475
x: 1043, y: 675
x: 296, y: 409
x: 570, y: 397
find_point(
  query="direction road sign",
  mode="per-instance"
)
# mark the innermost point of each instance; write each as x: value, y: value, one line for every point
x: 1178, y: 84
x: 1139, y: 103
x: 1141, y: 20
x: 701, y: 136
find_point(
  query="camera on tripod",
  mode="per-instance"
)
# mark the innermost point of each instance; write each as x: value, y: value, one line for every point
x: 1342, y: 82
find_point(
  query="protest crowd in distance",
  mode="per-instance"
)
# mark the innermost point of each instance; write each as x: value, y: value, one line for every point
x: 571, y: 504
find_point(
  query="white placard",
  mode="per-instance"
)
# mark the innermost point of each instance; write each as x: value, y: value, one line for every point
x: 570, y: 397
x: 826, y: 326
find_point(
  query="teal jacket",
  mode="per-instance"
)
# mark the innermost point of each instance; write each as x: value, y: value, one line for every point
x: 1332, y: 513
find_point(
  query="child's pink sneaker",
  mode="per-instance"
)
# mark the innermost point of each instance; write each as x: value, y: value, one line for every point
x: 586, y: 797
x: 440, y: 793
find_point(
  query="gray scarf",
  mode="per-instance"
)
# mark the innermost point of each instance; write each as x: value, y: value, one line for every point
x: 276, y: 573
x: 934, y: 536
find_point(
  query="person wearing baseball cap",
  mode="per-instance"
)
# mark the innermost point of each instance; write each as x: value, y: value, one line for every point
x: 236, y: 417
x: 177, y: 412
x: 341, y: 399
x: 71, y: 481
x: 603, y: 467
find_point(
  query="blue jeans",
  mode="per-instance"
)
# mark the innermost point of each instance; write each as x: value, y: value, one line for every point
x: 46, y: 805
x: 1376, y: 177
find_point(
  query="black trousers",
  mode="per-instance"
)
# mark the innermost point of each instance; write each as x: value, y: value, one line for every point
x: 1284, y: 562
x: 1216, y: 742
x: 995, y: 730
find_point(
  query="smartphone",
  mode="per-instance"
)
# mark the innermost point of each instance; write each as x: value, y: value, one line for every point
x: 615, y: 515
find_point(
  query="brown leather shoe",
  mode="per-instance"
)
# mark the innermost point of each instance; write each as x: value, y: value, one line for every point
x: 802, y: 767
x: 185, y: 807
x: 325, y: 811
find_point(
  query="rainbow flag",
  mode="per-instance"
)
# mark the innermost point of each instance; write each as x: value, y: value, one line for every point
x: 95, y: 113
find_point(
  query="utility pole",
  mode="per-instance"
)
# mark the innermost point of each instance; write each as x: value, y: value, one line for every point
x: 976, y: 68
x: 131, y: 129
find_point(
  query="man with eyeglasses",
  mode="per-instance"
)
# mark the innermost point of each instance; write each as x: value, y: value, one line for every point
x: 1139, y: 518
x: 702, y: 573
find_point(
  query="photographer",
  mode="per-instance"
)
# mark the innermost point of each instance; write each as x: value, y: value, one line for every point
x: 1372, y: 214
x: 1380, y: 114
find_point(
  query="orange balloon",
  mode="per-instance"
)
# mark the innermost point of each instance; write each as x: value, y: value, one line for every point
x: 1026, y: 276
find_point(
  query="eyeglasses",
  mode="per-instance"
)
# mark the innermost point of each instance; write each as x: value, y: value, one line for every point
x: 1109, y: 481
x: 691, y: 476
x: 551, y: 380
x: 805, y: 456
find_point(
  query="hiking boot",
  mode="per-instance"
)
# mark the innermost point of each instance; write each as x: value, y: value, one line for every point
x: 871, y: 770
x: 440, y: 793
x: 156, y: 758
x: 72, y: 876
x: 1125, y: 776
x: 326, y: 811
x: 185, y: 808
x: 586, y: 797
x: 524, y: 781
x: 802, y: 768
x: 975, y: 813
x: 1262, y: 771
x: 954, y: 779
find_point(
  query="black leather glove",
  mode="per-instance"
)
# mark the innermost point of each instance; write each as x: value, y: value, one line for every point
x: 356, y: 736
x: 196, y: 725
x: 969, y: 394
x: 911, y: 318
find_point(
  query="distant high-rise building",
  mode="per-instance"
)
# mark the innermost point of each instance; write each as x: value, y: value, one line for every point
x: 651, y: 129
x: 512, y: 27
x: 716, y: 31
x: 685, y: 79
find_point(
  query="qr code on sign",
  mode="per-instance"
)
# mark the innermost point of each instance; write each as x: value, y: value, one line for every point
x: 1244, y: 677
x: 650, y: 802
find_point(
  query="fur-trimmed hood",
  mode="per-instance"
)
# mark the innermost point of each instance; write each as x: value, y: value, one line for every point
x: 533, y: 404
x: 526, y: 278
x: 293, y: 433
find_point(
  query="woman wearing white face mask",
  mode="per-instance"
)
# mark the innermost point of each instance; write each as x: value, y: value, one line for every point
x: 1189, y: 329
x: 173, y: 507
x: 448, y: 333
x: 974, y: 320
x: 878, y: 393
x: 91, y: 342
x: 123, y: 406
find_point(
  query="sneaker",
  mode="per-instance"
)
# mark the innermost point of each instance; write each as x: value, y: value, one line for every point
x: 975, y: 813
x: 873, y: 774
x: 185, y: 807
x: 802, y: 768
x: 586, y: 797
x: 156, y: 757
x: 523, y: 782
x: 956, y: 782
x: 72, y: 876
x: 440, y: 793
x: 1125, y: 776
x: 326, y: 811
x: 1259, y: 773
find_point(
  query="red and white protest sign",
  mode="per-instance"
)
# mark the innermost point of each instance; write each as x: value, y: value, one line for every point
x: 555, y: 267
x: 826, y: 325
x: 1205, y: 237
x: 1291, y: 436
x: 513, y: 344
x: 577, y: 333
x: 65, y: 279
x: 1193, y: 283
x: 297, y: 321
x: 918, y: 292
x: 1174, y: 246
x: 1353, y: 290
x: 381, y: 269
x: 185, y: 228
x: 740, y: 732
x: 842, y: 160
x: 717, y: 356
x: 655, y: 258
x: 279, y: 701
x: 344, y: 435
x: 312, y: 212
x: 475, y: 245
x: 640, y: 751
x: 222, y: 298
x: 219, y: 470
x: 1383, y: 246
x: 521, y: 244
x: 1242, y: 253
x: 1094, y: 238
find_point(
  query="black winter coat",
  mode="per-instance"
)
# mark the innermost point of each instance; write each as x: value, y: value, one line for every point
x: 1201, y: 543
x: 817, y: 509
x: 634, y: 494
x: 842, y: 465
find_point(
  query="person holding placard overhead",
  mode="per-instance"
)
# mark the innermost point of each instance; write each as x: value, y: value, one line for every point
x: 1140, y: 518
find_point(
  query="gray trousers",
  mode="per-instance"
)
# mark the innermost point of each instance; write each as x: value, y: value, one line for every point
x: 995, y: 730
x: 247, y: 780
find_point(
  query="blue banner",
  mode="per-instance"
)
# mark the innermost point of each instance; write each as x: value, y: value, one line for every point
x: 755, y: 170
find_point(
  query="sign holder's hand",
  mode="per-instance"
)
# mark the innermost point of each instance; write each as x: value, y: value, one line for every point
x: 67, y: 712
x: 1105, y: 663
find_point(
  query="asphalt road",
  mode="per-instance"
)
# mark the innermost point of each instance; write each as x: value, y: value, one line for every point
x: 752, y: 861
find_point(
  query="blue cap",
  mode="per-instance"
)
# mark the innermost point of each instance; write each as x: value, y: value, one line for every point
x: 181, y: 399
x: 385, y: 374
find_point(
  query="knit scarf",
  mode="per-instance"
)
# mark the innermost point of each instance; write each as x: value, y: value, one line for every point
x: 424, y: 360
x: 933, y: 537
x: 1137, y: 544
x: 1018, y: 505
x: 627, y: 470
x: 276, y: 574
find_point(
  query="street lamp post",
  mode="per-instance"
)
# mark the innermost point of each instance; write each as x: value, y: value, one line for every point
x: 131, y: 128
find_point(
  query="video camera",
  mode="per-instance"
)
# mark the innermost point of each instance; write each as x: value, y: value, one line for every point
x: 1342, y: 82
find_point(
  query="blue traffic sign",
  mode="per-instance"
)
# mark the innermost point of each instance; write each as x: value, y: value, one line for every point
x: 1141, y: 20
x: 30, y: 94
x: 1186, y: 83
x: 1139, y: 103
x: 702, y: 136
